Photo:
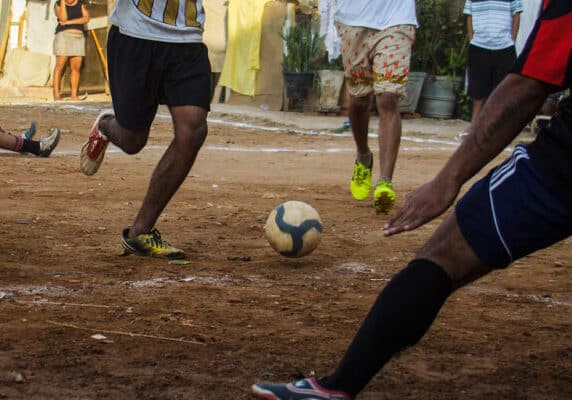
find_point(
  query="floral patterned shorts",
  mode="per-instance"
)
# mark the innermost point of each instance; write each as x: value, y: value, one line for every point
x: 376, y: 60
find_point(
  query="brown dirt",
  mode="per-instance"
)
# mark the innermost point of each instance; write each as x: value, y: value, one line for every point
x: 238, y: 312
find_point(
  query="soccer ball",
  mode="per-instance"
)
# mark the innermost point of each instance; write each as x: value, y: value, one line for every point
x: 293, y: 229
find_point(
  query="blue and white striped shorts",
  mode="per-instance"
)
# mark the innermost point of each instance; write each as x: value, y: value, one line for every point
x: 511, y: 213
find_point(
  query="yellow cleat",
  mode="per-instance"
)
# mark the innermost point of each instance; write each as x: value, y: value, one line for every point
x: 150, y: 245
x: 383, y: 196
x: 360, y: 185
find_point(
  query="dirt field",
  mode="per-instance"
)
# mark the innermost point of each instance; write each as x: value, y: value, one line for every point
x: 238, y: 312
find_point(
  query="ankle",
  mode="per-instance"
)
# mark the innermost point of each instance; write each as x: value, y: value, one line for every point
x: 365, y: 159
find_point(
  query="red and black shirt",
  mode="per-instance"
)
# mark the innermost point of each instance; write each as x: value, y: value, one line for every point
x: 547, y: 57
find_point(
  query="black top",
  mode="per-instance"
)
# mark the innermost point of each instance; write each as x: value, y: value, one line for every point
x: 74, y: 12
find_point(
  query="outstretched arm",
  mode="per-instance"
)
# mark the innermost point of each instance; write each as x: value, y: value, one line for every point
x: 511, y: 105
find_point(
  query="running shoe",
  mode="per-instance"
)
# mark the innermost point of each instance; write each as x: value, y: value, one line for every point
x: 361, y: 180
x: 305, y: 389
x: 49, y: 143
x: 93, y: 150
x: 383, y: 196
x: 29, y: 133
x: 150, y: 245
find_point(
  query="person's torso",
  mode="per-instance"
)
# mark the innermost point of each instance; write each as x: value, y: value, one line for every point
x: 376, y: 14
x: 547, y: 57
x: 492, y: 22
x: 74, y: 12
x: 172, y: 21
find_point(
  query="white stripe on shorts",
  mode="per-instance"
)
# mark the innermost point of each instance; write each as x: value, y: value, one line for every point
x: 500, y: 175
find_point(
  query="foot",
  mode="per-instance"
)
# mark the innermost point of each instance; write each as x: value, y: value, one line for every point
x: 93, y: 150
x: 150, y: 245
x: 305, y: 389
x: 383, y: 196
x: 29, y: 133
x: 49, y: 143
x: 361, y: 180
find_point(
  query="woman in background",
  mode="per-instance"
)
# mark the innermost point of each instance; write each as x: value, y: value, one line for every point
x: 69, y: 43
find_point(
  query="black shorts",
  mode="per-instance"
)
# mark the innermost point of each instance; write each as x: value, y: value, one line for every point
x: 486, y: 68
x: 511, y: 212
x: 145, y: 73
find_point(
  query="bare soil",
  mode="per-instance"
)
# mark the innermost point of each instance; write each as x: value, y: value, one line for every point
x: 238, y: 312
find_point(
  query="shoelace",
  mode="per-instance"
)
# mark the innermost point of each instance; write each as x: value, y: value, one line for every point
x: 156, y: 240
x: 361, y: 175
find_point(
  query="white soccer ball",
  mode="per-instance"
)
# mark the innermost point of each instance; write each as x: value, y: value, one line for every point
x: 294, y: 229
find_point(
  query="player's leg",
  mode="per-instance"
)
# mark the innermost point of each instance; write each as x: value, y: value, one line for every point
x: 186, y: 89
x: 134, y: 92
x: 75, y: 71
x: 358, y: 75
x: 389, y: 138
x: 190, y: 125
x: 7, y: 141
x: 22, y: 144
x: 392, y: 55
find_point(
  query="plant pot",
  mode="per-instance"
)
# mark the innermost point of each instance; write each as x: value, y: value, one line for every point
x: 329, y: 85
x: 438, y: 97
x: 415, y: 82
x: 298, y: 83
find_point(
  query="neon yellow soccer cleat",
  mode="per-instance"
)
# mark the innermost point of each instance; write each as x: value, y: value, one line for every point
x: 383, y: 196
x: 361, y: 181
x: 150, y: 245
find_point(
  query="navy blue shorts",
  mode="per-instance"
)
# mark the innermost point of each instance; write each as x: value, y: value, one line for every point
x: 146, y: 73
x: 510, y: 213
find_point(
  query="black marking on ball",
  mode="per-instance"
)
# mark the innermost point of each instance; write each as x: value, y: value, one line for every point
x: 296, y: 232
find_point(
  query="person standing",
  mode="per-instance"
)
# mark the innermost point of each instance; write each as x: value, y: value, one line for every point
x: 492, y: 27
x: 155, y: 56
x: 521, y: 206
x: 376, y: 37
x: 24, y: 142
x: 69, y: 43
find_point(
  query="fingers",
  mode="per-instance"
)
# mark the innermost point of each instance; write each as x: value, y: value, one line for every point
x: 405, y: 219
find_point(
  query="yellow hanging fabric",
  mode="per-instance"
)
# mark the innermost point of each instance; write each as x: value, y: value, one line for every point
x: 242, y: 58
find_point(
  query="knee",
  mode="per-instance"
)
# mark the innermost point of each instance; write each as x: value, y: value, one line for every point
x: 387, y: 102
x: 192, y: 135
x: 134, y: 145
x: 360, y: 103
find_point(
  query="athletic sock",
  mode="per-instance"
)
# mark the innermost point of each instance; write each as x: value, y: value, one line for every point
x: 27, y: 146
x: 401, y: 315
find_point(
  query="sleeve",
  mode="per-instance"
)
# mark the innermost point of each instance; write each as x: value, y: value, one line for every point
x: 547, y: 55
x: 467, y: 8
x: 516, y: 7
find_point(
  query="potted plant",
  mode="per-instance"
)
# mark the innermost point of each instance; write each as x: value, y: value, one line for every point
x: 301, y: 49
x: 440, y: 50
x: 329, y: 80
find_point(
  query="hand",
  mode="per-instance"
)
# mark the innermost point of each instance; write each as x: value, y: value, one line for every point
x: 422, y: 205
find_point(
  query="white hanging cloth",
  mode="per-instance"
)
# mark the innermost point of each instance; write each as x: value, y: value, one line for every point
x: 327, y: 8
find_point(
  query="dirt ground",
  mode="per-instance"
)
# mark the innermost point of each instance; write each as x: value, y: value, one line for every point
x: 239, y: 313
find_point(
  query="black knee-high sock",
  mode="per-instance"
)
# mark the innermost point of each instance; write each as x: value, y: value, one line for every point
x: 399, y: 318
x: 27, y: 146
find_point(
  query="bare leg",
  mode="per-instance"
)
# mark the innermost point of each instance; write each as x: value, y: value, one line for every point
x: 58, y: 72
x: 190, y: 132
x: 359, y: 118
x: 7, y: 141
x: 477, y: 105
x: 448, y: 248
x: 75, y: 67
x: 389, y: 132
